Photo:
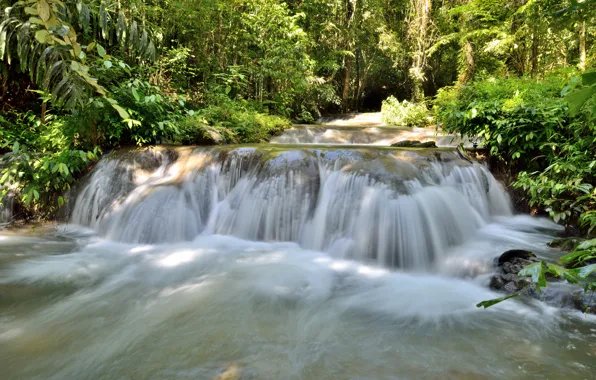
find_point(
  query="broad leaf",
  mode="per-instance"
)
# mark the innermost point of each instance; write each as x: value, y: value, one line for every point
x: 589, y: 79
x: 121, y: 111
x: 586, y: 271
x: 44, y: 10
x: 101, y: 51
x: 587, y: 244
x: 536, y: 271
x: 578, y: 98
x: 42, y: 36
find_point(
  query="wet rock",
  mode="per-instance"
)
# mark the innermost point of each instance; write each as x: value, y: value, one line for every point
x: 414, y: 144
x: 565, y: 244
x: 558, y: 293
x: 508, y: 266
x: 584, y: 301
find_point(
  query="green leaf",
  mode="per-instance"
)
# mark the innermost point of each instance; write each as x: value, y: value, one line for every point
x: 586, y: 271
x: 121, y: 111
x: 44, y: 10
x: 15, y: 147
x: 31, y: 11
x: 589, y: 79
x: 135, y: 93
x: 495, y: 301
x: 107, y: 64
x: 60, y: 201
x: 101, y: 51
x: 536, y: 271
x: 36, y: 194
x: 42, y: 36
x: 586, y: 244
x: 561, y: 272
x: 578, y: 98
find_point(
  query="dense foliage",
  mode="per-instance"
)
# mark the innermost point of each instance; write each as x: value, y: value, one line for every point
x: 78, y: 77
x: 528, y: 124
x: 404, y: 113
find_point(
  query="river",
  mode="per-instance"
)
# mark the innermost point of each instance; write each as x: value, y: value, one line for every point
x: 298, y: 260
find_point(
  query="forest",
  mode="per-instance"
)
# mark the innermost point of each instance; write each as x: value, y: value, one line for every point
x: 79, y: 78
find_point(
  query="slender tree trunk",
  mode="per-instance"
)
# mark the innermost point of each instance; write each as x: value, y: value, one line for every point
x: 419, y: 37
x: 356, y: 100
x: 44, y: 110
x: 468, y: 72
x: 535, y: 46
x: 346, y: 93
x: 582, y: 46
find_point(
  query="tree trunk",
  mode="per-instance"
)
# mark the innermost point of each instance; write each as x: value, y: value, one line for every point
x: 468, y: 72
x: 356, y: 100
x: 44, y: 110
x: 419, y: 37
x: 582, y: 46
x: 535, y: 45
x: 346, y: 92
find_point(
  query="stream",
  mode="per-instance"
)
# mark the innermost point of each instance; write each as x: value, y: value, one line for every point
x: 324, y: 255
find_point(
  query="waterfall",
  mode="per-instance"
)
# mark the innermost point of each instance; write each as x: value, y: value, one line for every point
x: 396, y: 208
x: 6, y: 209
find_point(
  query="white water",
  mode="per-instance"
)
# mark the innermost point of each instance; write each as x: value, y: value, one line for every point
x: 396, y: 210
x: 6, y: 209
x: 285, y: 263
x: 334, y: 134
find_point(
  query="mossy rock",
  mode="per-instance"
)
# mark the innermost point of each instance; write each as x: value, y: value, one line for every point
x: 414, y: 144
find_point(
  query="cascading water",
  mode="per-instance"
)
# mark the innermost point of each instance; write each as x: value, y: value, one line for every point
x: 365, y: 135
x: 6, y: 209
x: 281, y: 262
x: 398, y: 208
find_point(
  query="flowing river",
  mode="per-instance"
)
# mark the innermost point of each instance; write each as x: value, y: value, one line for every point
x: 282, y: 262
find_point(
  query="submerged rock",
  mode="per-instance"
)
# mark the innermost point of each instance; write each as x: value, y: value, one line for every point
x: 414, y: 144
x: 584, y: 301
x: 232, y: 372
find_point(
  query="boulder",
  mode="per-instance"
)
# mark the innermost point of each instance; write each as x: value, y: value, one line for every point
x: 508, y: 266
x: 414, y: 144
x: 558, y: 294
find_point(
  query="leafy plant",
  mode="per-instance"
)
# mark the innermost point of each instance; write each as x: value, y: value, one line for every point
x: 405, y: 113
x: 575, y: 269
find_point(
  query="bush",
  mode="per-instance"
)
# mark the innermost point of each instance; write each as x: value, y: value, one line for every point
x: 405, y: 113
x: 153, y: 116
x: 242, y: 124
x: 41, y: 163
x: 527, y: 124
x: 514, y: 116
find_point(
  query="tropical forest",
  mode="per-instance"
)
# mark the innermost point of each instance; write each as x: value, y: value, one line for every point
x: 300, y: 189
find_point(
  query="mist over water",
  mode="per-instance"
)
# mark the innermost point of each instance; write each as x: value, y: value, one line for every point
x: 288, y: 262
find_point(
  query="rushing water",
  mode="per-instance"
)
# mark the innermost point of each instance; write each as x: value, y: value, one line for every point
x: 281, y: 262
x: 365, y: 135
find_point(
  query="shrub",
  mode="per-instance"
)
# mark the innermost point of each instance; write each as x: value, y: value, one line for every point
x: 404, y: 113
x: 41, y: 163
x: 514, y: 116
x: 527, y: 124
x: 241, y: 123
